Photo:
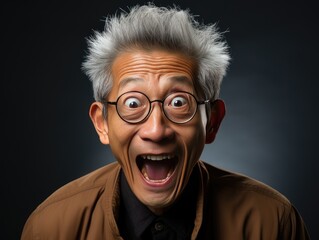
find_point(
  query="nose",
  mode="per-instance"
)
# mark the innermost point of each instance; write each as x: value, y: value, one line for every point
x: 156, y: 128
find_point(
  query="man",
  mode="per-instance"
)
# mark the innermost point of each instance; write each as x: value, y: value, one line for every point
x: 156, y: 76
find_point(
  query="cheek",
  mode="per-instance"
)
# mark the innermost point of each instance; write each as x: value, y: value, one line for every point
x: 197, y: 144
x: 197, y: 131
x: 120, y: 135
x: 193, y: 137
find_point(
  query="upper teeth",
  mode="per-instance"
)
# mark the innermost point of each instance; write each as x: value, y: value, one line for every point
x: 157, y: 157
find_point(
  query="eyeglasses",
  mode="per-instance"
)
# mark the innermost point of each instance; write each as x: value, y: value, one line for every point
x: 135, y: 107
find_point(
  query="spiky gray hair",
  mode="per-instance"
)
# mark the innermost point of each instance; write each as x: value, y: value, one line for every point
x: 147, y: 26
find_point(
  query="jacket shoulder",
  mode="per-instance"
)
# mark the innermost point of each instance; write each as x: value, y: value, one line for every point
x: 249, y: 207
x: 237, y: 183
x: 72, y: 208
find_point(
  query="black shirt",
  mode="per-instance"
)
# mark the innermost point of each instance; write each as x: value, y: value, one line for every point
x: 137, y: 222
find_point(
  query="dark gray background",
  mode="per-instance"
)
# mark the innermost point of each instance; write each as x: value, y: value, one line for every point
x: 269, y: 132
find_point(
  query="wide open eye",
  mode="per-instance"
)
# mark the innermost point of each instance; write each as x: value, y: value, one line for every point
x: 178, y: 101
x: 132, y: 102
x: 133, y: 106
x: 180, y: 107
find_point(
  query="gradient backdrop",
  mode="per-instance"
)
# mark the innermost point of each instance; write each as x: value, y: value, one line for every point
x: 271, y: 93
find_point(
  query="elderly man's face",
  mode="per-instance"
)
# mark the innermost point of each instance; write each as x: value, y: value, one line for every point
x: 157, y: 155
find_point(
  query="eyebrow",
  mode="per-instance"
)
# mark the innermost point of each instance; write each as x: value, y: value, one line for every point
x: 126, y: 81
x: 182, y: 79
x: 176, y: 79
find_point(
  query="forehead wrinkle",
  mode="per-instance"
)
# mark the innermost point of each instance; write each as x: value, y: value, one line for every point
x: 160, y: 64
x: 138, y: 68
x: 183, y: 80
x: 154, y: 67
x: 128, y: 62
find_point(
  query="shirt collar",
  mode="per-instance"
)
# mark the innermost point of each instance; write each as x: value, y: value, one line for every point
x: 137, y: 217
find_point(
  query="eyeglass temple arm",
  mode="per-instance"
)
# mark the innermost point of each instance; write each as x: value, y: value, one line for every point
x: 107, y: 102
x: 205, y: 101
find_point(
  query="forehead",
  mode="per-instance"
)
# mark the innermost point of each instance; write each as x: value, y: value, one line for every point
x: 137, y: 66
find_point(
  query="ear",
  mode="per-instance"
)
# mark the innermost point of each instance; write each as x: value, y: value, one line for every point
x: 216, y: 116
x: 99, y: 121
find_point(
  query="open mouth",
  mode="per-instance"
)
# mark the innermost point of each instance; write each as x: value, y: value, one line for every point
x: 156, y: 168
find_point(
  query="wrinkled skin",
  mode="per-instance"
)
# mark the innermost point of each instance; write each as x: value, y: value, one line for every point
x: 155, y: 73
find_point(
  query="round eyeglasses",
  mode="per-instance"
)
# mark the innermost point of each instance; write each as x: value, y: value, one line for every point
x: 135, y: 107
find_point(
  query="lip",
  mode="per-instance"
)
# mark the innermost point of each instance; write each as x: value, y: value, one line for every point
x: 156, y: 159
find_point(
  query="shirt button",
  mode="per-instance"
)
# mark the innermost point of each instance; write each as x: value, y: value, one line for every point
x: 159, y: 226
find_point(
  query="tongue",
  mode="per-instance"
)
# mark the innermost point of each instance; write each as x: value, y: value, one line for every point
x: 157, y: 170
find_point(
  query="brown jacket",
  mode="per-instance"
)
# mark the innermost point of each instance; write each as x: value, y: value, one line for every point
x: 230, y: 207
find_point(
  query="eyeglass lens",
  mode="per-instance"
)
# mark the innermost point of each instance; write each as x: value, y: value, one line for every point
x: 134, y: 107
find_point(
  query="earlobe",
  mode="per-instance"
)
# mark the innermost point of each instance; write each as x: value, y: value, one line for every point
x: 99, y: 121
x: 216, y: 116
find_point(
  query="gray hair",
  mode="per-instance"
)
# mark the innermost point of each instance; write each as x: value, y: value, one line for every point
x: 148, y: 26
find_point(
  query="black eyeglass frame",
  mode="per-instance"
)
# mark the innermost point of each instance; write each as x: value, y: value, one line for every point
x: 114, y: 103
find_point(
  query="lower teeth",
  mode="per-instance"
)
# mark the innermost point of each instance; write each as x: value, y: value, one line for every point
x: 156, y: 181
